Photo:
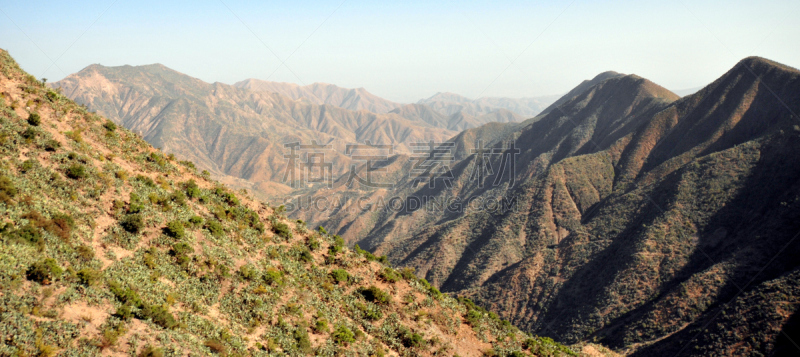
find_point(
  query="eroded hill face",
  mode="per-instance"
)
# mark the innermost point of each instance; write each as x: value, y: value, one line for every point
x: 651, y: 223
x: 108, y: 246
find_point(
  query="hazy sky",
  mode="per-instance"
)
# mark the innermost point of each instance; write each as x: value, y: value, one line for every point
x: 406, y: 50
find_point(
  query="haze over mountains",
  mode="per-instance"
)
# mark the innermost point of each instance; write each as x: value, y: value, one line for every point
x: 653, y: 223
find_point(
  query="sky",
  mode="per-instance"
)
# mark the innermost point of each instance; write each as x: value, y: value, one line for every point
x: 406, y: 50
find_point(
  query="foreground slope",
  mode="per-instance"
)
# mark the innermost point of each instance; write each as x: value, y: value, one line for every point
x: 652, y: 223
x: 108, y: 246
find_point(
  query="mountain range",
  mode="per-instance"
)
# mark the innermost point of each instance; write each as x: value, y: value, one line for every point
x: 619, y: 213
x: 651, y: 223
x: 111, y: 247
x: 239, y: 132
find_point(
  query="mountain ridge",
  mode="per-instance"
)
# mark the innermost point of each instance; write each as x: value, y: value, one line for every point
x: 626, y: 196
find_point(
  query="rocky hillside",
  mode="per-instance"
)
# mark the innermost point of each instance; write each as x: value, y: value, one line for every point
x: 654, y: 224
x: 109, y: 246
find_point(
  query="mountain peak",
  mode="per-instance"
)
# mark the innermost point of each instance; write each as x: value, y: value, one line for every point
x: 754, y: 62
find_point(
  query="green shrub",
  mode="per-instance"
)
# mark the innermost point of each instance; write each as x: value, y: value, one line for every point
x: 215, y: 228
x: 303, y: 342
x: 29, y: 134
x: 192, y: 190
x: 375, y: 294
x: 7, y: 189
x: 43, y: 272
x: 150, y: 351
x: 312, y: 243
x: 411, y: 339
x: 30, y: 234
x: 158, y: 314
x: 408, y: 273
x: 196, y: 220
x: 273, y: 276
x: 27, y: 165
x: 85, y: 252
x: 51, y: 145
x: 247, y: 272
x: 432, y: 290
x: 132, y: 223
x: 89, y: 276
x: 371, y: 312
x: 175, y: 229
x: 305, y: 256
x: 182, y: 248
x: 343, y: 335
x: 339, y: 275
x: 76, y: 171
x: 34, y: 119
x: 389, y: 275
x: 321, y: 325
x: 473, y: 317
x: 282, y: 230
x: 109, y: 125
x: 145, y: 181
x: 111, y: 334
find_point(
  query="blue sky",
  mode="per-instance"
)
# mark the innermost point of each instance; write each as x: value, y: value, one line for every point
x: 406, y: 50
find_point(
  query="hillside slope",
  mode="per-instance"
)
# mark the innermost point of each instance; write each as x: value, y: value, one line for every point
x: 108, y: 246
x: 652, y: 223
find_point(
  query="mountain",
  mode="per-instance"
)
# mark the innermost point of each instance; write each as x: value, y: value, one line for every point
x: 237, y: 134
x: 111, y: 247
x: 654, y: 224
x: 580, y: 88
x: 457, y: 121
x: 323, y: 93
x: 436, y: 111
x: 450, y: 103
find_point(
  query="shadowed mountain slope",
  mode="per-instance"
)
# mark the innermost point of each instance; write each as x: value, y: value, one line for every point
x: 653, y: 223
